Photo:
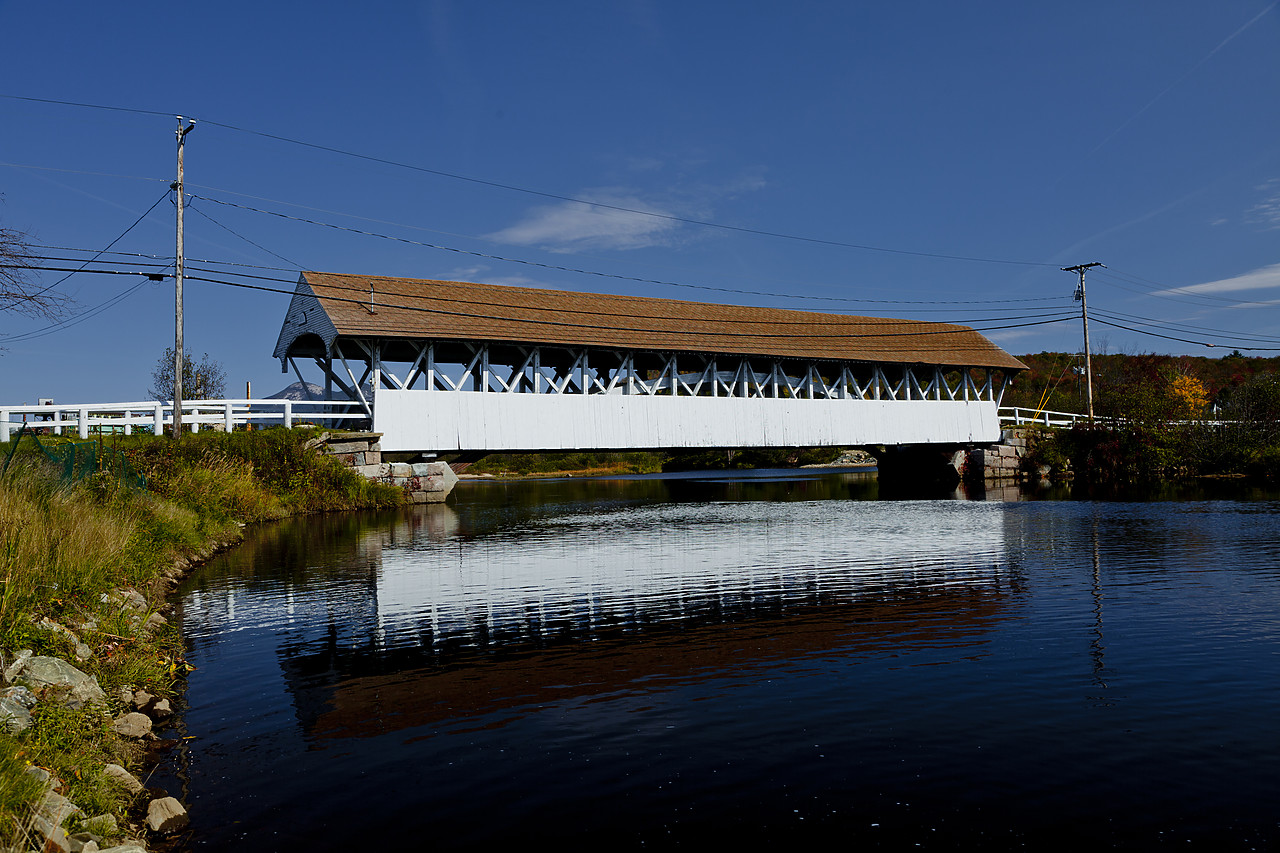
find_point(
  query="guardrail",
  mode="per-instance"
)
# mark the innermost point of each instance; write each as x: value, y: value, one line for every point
x: 1020, y: 417
x: 153, y: 417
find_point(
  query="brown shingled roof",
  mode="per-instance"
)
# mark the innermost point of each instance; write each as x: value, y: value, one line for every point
x: 454, y: 310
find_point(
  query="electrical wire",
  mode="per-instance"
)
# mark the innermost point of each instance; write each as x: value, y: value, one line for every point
x: 76, y: 319
x: 1167, y: 291
x: 1184, y: 340
x: 1056, y: 313
x: 550, y: 195
x: 564, y: 324
x: 598, y: 273
x: 108, y: 246
x: 200, y: 212
x: 85, y: 172
x: 1182, y: 327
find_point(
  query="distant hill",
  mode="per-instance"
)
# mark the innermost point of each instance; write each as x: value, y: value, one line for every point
x: 297, y: 391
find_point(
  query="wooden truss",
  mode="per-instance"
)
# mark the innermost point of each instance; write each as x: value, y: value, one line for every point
x: 478, y: 367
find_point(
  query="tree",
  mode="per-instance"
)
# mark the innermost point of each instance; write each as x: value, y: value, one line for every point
x: 204, y: 381
x: 19, y: 291
x: 1187, y: 396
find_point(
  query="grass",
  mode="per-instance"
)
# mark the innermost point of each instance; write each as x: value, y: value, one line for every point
x: 578, y: 463
x: 64, y: 545
x: 583, y: 464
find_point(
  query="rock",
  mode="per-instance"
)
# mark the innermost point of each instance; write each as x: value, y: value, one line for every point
x: 154, y: 707
x: 16, y: 667
x: 126, y: 695
x: 123, y: 778
x: 14, y: 717
x: 55, y: 837
x: 132, y: 725
x: 154, y: 622
x: 56, y: 808
x: 46, y: 676
x: 83, y: 842
x: 126, y: 848
x: 21, y: 695
x: 47, y: 821
x: 102, y: 825
x: 82, y: 651
x: 45, y: 777
x: 125, y: 598
x: 166, y: 815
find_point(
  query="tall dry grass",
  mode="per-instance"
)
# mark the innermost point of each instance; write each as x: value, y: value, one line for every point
x: 55, y: 546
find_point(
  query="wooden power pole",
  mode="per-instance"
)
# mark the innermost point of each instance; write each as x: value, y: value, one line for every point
x: 179, y: 354
x: 1084, y: 314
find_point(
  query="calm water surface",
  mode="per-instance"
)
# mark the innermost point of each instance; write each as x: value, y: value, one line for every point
x: 708, y: 660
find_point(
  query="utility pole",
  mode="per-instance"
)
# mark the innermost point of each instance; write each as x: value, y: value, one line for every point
x: 1084, y: 314
x: 179, y: 358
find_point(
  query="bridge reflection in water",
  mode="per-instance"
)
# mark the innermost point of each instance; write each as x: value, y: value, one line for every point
x: 440, y: 619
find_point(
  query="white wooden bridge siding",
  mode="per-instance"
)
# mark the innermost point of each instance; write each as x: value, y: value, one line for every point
x: 445, y: 420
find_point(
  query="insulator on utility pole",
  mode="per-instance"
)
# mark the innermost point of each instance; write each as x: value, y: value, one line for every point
x: 179, y: 354
x: 1084, y: 314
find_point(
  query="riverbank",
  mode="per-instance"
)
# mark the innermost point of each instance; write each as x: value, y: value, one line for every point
x: 1122, y: 455
x: 603, y: 464
x: 93, y: 536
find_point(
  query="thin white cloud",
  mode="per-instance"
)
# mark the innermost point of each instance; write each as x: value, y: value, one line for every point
x: 575, y: 227
x: 1267, y: 212
x: 1259, y: 279
x: 570, y: 227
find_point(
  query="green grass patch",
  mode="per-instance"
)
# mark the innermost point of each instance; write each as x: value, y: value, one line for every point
x: 64, y: 544
x: 580, y: 463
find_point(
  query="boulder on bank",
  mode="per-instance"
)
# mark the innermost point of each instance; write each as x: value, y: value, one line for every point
x: 83, y: 652
x: 132, y: 725
x: 123, y: 778
x: 166, y: 815
x: 53, y: 677
x: 154, y: 707
x: 15, y: 709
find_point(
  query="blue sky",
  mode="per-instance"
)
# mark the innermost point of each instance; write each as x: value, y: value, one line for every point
x: 1144, y: 135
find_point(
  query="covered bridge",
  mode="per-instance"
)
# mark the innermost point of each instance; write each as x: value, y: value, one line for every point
x: 447, y: 365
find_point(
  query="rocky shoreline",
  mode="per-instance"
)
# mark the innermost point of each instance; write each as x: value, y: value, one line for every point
x: 135, y: 716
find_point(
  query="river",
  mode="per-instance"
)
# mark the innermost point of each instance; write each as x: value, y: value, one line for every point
x: 740, y: 659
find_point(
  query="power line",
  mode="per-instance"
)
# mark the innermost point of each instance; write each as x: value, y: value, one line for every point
x: 76, y: 319
x: 760, y: 232
x: 364, y: 301
x: 1184, y: 340
x: 1176, y: 326
x: 83, y: 172
x: 163, y: 257
x: 1182, y: 291
x: 581, y: 271
x: 108, y: 246
x: 1047, y: 311
x: 200, y: 212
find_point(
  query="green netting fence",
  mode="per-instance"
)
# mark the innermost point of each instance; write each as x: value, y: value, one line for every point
x: 77, y: 460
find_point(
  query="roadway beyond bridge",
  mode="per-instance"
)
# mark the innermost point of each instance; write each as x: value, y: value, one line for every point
x: 441, y: 366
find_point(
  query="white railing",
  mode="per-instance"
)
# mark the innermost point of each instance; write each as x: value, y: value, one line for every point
x: 153, y: 417
x: 1019, y: 417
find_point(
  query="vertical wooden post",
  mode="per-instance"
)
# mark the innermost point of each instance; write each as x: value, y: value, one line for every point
x: 178, y: 357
